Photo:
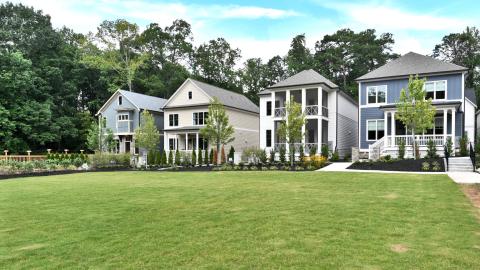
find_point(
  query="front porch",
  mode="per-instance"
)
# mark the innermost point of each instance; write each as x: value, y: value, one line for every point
x: 395, y: 133
x: 315, y: 135
x: 185, y: 141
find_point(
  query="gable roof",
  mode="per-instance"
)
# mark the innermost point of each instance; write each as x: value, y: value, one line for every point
x: 145, y: 102
x: 305, y: 77
x: 140, y: 101
x: 470, y: 95
x: 411, y: 64
x: 227, y: 97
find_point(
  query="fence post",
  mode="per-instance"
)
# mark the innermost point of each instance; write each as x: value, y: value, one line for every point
x: 6, y: 154
x: 66, y: 151
x: 49, y: 150
x: 28, y: 153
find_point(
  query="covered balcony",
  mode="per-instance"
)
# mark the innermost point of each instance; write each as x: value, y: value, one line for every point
x: 314, y: 101
x: 314, y: 133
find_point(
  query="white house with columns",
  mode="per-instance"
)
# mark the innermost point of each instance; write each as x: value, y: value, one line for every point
x: 331, y: 114
x: 186, y: 111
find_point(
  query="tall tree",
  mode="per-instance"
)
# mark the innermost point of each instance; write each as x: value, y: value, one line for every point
x: 276, y: 70
x: 119, y: 41
x: 215, y: 62
x: 217, y: 127
x: 462, y: 49
x: 291, y: 127
x: 299, y: 57
x: 414, y: 111
x: 346, y: 55
x: 253, y: 77
x: 147, y: 135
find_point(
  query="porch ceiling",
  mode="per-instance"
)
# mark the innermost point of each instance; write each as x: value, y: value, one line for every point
x: 438, y: 104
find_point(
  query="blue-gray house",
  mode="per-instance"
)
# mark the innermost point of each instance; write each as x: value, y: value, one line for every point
x: 122, y: 113
x: 379, y: 91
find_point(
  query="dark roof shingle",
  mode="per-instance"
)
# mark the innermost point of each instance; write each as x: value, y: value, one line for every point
x: 144, y: 101
x: 470, y: 94
x: 411, y: 64
x: 305, y: 77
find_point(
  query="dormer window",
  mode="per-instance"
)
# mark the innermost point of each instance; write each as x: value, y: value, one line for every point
x: 190, y: 95
x: 435, y: 90
x: 120, y: 100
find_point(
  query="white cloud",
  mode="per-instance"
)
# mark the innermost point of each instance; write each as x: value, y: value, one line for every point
x: 253, y: 12
x: 380, y: 16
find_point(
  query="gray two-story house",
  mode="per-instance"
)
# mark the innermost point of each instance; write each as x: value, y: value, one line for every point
x: 122, y: 114
x: 379, y: 92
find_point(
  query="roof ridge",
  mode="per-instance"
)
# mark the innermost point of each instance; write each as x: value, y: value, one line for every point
x: 220, y: 88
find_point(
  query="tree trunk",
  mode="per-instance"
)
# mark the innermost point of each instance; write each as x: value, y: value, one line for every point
x: 218, y: 154
x: 292, y: 154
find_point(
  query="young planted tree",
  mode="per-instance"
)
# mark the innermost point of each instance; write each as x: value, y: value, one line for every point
x: 217, y: 128
x: 147, y: 135
x: 414, y: 111
x: 291, y: 127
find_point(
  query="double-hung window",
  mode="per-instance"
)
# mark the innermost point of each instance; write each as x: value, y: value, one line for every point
x: 375, y: 129
x: 268, y: 138
x: 377, y: 94
x: 173, y: 120
x: 436, y: 90
x: 269, y: 108
x: 199, y: 118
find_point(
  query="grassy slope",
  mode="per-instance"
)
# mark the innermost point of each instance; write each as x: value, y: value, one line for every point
x: 231, y: 219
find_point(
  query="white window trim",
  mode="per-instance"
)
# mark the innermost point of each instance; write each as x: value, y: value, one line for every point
x: 376, y: 130
x: 193, y: 118
x: 123, y: 114
x: 376, y: 94
x: 435, y: 89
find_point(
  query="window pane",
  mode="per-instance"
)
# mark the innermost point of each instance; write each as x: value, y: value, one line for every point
x: 372, y: 95
x: 380, y: 134
x: 429, y: 86
x: 371, y: 125
x: 429, y: 95
x: 440, y: 95
x: 382, y: 95
x: 440, y: 86
x: 380, y: 125
x: 371, y: 135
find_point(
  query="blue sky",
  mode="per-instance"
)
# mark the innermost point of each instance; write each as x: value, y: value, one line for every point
x: 265, y: 28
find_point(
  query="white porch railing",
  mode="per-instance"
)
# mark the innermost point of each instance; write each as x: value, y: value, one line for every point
x: 376, y: 149
x: 422, y: 140
x: 311, y: 110
x: 280, y: 112
x: 306, y: 147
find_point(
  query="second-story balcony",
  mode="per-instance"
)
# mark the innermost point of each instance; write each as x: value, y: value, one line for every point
x: 125, y: 126
x: 311, y: 102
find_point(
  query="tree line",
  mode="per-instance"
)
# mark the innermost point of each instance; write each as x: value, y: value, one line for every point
x: 53, y: 81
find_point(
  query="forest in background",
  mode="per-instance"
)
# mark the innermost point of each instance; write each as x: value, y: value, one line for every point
x: 53, y: 81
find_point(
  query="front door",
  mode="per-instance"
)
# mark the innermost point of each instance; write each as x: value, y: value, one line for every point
x: 127, y: 147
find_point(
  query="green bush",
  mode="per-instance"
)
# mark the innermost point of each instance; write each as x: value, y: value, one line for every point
x: 436, y: 166
x: 283, y: 153
x: 200, y: 157
x: 334, y: 156
x: 106, y: 160
x: 313, y: 151
x: 177, y: 158
x: 263, y: 157
x: 431, y: 149
x: 463, y: 146
x: 324, y: 151
x: 425, y: 166
x: 449, y: 146
x: 401, y: 149
x: 194, y: 158
x: 231, y: 154
x: 272, y: 156
x: 205, y: 154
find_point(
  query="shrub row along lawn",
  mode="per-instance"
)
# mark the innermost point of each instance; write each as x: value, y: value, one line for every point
x: 237, y: 219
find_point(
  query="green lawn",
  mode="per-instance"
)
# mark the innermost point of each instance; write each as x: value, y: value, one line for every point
x: 237, y: 220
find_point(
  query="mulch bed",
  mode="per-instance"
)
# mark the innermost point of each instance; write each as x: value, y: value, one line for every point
x: 62, y: 172
x: 406, y: 165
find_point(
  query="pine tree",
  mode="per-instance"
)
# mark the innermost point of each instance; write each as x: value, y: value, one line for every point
x: 164, y: 160
x: 170, y: 157
x: 194, y: 158
x: 200, y: 158
x: 206, y: 161
x: 177, y: 158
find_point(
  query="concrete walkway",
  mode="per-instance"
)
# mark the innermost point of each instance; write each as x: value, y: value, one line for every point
x: 465, y: 177
x: 457, y: 177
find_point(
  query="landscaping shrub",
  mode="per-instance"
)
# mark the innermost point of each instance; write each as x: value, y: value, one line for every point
x: 105, y: 160
x: 194, y: 158
x: 449, y: 146
x: 272, y: 156
x: 313, y: 151
x: 263, y: 157
x: 252, y: 155
x: 210, y: 158
x: 463, y: 146
x: 205, y: 152
x: 318, y: 161
x: 302, y: 153
x: 177, y: 158
x: 200, y: 157
x: 425, y: 166
x: 334, y: 156
x: 283, y: 154
x: 401, y: 149
x: 231, y: 154
x: 324, y: 150
x: 436, y: 166
x: 170, y: 157
x: 431, y: 149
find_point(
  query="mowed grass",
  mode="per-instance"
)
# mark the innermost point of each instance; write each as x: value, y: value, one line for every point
x: 224, y: 220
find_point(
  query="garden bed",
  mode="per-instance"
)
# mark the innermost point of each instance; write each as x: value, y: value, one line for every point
x: 405, y: 165
x: 5, y: 176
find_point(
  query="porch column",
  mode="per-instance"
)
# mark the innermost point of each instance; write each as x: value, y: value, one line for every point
x: 273, y: 103
x: 304, y: 104
x: 320, y: 101
x: 196, y: 139
x: 393, y: 133
x: 453, y: 128
x: 319, y: 135
x: 186, y: 141
x: 287, y: 99
x: 385, y: 127
x: 445, y: 114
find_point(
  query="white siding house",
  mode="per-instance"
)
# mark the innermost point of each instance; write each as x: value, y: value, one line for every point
x: 332, y: 115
